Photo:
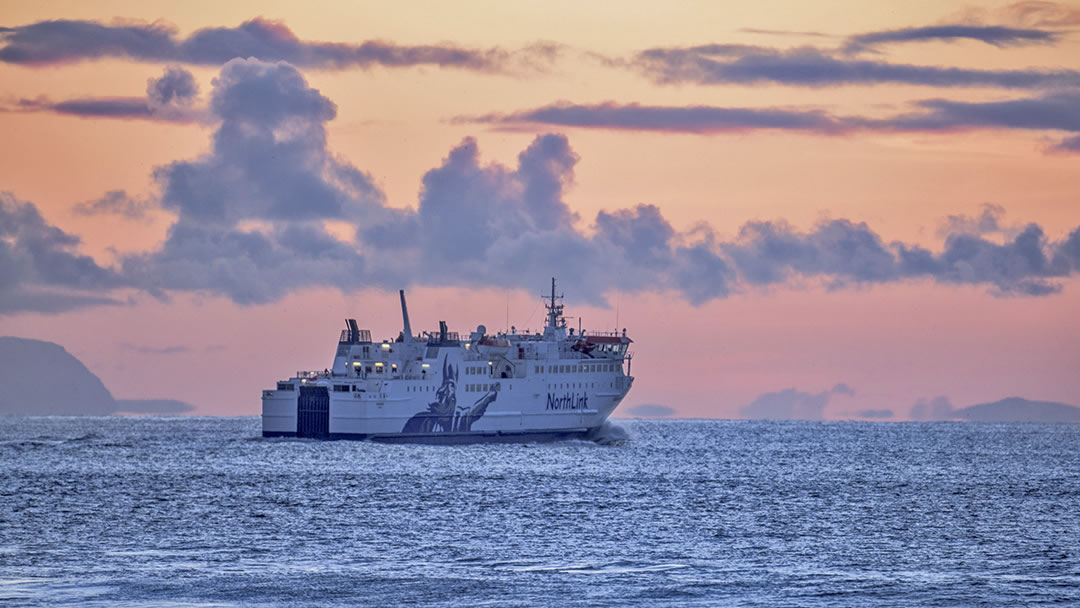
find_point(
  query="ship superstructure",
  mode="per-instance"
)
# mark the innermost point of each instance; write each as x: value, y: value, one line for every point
x: 439, y: 387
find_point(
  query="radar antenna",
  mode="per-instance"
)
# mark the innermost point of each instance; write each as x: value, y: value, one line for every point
x: 555, y: 310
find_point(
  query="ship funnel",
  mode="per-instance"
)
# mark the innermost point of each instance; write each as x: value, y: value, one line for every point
x: 405, y: 317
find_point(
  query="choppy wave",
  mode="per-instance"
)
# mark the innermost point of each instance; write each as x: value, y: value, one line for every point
x: 193, y: 512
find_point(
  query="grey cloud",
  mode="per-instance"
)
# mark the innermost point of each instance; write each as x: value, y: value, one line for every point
x: 269, y: 158
x: 66, y: 41
x: 115, y: 202
x: 251, y: 220
x: 115, y: 107
x: 1059, y: 111
x: 843, y: 389
x: 693, y: 119
x: 177, y: 86
x: 248, y: 266
x: 481, y: 225
x: 475, y: 224
x: 45, y: 300
x: 771, y: 252
x: 169, y: 99
x: 40, y: 268
x: 1039, y: 13
x: 1023, y: 265
x: 987, y: 222
x: 250, y: 212
x: 811, y: 67
x: 847, y: 253
x: 995, y: 35
x: 465, y: 208
x: 1069, y: 145
x: 1068, y: 252
x: 791, y: 404
x: 62, y: 40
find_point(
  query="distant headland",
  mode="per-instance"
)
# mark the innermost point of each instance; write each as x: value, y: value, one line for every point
x: 42, y: 379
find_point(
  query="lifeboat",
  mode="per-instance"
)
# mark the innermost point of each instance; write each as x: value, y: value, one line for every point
x: 493, y: 347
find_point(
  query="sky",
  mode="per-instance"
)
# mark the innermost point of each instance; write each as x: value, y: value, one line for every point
x: 806, y: 210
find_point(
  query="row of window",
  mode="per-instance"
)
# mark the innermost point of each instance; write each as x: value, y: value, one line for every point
x: 483, y: 388
x: 579, y: 368
x: 571, y: 385
x: 485, y: 370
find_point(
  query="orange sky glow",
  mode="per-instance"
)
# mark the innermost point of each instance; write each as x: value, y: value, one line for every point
x: 908, y: 156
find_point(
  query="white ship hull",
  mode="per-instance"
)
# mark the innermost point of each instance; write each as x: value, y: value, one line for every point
x: 360, y: 416
x: 518, y: 387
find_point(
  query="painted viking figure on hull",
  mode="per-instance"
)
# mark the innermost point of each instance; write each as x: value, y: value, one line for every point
x: 443, y: 415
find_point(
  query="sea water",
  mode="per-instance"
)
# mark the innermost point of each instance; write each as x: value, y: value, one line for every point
x: 203, y: 512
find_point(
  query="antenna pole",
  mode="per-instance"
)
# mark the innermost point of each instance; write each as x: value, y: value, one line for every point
x: 555, y: 317
x: 616, y: 311
x: 552, y: 320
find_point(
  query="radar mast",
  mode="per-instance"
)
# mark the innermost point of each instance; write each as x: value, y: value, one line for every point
x: 555, y: 319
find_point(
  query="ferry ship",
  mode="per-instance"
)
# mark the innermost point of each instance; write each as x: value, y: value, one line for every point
x: 438, y: 387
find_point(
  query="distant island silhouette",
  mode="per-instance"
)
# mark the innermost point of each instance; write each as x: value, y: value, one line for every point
x: 1010, y: 409
x: 41, y: 378
x: 1017, y: 409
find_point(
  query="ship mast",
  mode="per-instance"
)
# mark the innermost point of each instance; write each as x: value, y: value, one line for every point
x: 555, y: 319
